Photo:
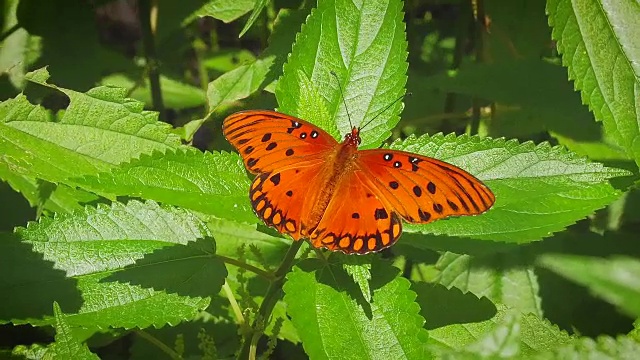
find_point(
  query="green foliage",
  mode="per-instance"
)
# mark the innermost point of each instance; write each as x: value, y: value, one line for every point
x: 140, y: 240
x: 321, y: 298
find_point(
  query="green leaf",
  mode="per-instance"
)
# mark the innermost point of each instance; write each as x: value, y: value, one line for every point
x: 213, y: 183
x: 98, y: 129
x: 599, y: 47
x: 227, y: 60
x: 604, y: 347
x: 88, y: 247
x: 175, y: 94
x: 225, y: 10
x: 539, y: 189
x: 535, y: 335
x: 442, y: 307
x: 616, y: 280
x: 15, y: 48
x: 368, y: 56
x: 62, y: 199
x: 501, y: 342
x: 189, y: 270
x: 65, y: 346
x: 238, y: 83
x: 260, y: 4
x: 321, y: 297
x: 230, y: 235
x: 247, y: 79
x: 502, y: 277
x: 600, y: 150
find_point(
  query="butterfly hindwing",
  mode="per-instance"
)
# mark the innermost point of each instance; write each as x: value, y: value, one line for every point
x: 270, y: 141
x: 279, y: 198
x: 356, y: 220
x: 422, y: 189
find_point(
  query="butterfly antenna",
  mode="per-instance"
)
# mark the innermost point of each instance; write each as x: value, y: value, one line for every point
x: 385, y: 109
x: 343, y: 100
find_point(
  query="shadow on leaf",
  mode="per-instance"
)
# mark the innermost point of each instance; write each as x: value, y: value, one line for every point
x: 441, y: 306
x: 189, y: 270
x: 30, y: 284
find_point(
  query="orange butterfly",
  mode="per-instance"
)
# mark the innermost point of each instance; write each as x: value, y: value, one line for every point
x: 310, y: 186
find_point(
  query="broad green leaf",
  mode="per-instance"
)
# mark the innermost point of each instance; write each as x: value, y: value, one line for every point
x: 535, y: 334
x: 98, y: 129
x: 321, y: 298
x: 539, y: 189
x: 175, y: 94
x: 212, y: 183
x: 616, y: 280
x: 368, y: 55
x: 225, y: 10
x: 83, y: 250
x: 65, y: 346
x: 503, y: 278
x: 598, y: 42
x: 604, y: 347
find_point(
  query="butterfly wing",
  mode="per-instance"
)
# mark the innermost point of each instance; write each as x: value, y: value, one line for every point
x: 422, y: 189
x: 288, y: 155
x: 356, y: 219
x: 269, y: 141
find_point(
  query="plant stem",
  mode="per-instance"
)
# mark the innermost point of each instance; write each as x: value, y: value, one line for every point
x: 265, y: 274
x: 270, y: 299
x: 9, y: 31
x: 150, y: 338
x: 148, y: 41
x: 479, y: 48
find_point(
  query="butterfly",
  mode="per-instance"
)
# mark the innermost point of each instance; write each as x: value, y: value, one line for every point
x: 308, y: 185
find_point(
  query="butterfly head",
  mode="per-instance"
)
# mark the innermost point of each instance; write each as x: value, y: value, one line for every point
x: 353, y: 138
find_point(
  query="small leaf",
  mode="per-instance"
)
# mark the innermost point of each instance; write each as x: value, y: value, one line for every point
x: 359, y: 268
x: 321, y: 297
x: 65, y: 346
x: 616, y: 280
x: 257, y: 9
x: 500, y: 342
x: 238, y: 83
x: 225, y: 10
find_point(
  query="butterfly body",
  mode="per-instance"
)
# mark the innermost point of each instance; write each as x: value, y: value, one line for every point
x: 308, y: 185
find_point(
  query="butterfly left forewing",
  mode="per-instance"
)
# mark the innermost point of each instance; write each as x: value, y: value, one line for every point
x: 422, y: 189
x: 268, y: 140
